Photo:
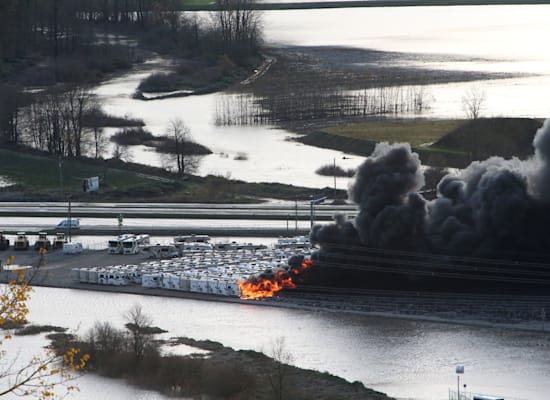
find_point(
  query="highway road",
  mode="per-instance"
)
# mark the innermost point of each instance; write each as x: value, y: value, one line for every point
x: 266, y: 211
x: 268, y: 219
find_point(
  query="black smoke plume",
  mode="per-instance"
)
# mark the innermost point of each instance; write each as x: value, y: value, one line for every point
x: 493, y: 210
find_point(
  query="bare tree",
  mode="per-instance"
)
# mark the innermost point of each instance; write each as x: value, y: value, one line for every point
x: 239, y: 27
x: 473, y: 103
x: 139, y: 326
x: 104, y: 338
x: 282, y: 358
x: 121, y: 153
x: 77, y: 101
x: 98, y: 139
x: 55, y: 121
x: 12, y: 100
x: 181, y: 135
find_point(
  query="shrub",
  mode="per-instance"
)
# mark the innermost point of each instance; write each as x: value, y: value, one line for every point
x: 160, y: 82
x: 225, y: 381
x: 331, y: 170
x: 36, y: 329
x: 241, y: 156
x: 165, y: 144
x: 132, y: 136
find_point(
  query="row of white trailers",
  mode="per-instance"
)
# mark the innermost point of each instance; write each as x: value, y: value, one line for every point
x: 174, y: 280
x: 190, y: 274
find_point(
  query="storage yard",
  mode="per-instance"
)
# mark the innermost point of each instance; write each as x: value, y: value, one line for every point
x: 216, y: 272
x: 189, y: 264
x: 212, y: 271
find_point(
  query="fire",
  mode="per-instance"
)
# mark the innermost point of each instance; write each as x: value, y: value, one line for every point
x: 260, y: 287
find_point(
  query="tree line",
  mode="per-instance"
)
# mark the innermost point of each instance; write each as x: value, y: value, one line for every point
x: 61, y: 26
x: 57, y: 27
x: 73, y: 37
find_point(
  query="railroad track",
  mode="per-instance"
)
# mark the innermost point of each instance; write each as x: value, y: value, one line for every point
x: 456, y: 306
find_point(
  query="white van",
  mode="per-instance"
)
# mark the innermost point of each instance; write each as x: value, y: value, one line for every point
x: 72, y: 248
x: 64, y: 224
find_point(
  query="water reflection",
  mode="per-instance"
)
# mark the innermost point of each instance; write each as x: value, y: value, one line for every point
x: 403, y: 358
x: 480, y: 38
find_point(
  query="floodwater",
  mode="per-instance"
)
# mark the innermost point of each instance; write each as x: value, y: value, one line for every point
x: 499, y: 39
x: 406, y: 359
x: 270, y: 155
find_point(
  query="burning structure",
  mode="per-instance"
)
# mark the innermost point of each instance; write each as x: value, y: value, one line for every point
x: 248, y: 274
x: 270, y: 282
x: 486, y: 229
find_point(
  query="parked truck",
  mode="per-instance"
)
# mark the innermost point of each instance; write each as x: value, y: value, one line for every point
x: 59, y: 241
x: 4, y: 242
x: 42, y: 242
x: 21, y: 242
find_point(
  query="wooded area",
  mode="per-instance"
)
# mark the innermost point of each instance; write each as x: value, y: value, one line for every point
x: 65, y: 46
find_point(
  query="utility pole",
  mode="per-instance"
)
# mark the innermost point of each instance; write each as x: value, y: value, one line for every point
x: 459, y: 371
x: 296, y: 215
x: 69, y: 218
x: 60, y: 164
x: 312, y: 204
x: 334, y: 173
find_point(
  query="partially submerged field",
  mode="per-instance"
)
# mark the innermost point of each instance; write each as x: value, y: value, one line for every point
x: 415, y: 132
x: 441, y: 143
x: 35, y: 176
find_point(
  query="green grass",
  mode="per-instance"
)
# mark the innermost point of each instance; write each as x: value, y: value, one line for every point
x: 417, y: 132
x: 438, y: 149
x: 37, y: 176
x: 37, y: 172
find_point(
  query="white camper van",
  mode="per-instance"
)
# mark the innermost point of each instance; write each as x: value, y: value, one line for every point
x: 72, y: 248
x: 73, y: 223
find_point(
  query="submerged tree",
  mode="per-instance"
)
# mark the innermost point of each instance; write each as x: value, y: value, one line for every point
x: 139, y: 325
x: 473, y: 103
x: 181, y: 136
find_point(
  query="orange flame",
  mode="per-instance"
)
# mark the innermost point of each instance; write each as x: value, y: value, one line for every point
x: 260, y: 287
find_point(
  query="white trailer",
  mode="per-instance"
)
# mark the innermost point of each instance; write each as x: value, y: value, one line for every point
x: 115, y: 244
x: 130, y: 246
x: 151, y: 280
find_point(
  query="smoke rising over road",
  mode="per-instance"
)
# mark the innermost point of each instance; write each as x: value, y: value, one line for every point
x: 493, y: 208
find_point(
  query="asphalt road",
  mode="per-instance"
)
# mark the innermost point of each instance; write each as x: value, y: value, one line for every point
x: 270, y: 219
x: 272, y: 210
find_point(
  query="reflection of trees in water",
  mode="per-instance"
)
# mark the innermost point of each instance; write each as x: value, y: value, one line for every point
x: 246, y: 109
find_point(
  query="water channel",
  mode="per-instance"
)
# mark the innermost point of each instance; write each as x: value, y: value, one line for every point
x: 496, y: 39
x: 406, y: 359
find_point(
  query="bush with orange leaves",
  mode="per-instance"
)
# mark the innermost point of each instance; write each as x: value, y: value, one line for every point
x: 44, y: 376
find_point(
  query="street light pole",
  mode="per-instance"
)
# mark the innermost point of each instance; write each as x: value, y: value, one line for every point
x: 296, y: 215
x: 312, y: 204
x: 459, y: 370
x: 69, y: 218
x: 60, y: 164
x: 334, y: 173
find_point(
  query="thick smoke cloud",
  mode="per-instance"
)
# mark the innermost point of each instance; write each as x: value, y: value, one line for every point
x: 493, y: 208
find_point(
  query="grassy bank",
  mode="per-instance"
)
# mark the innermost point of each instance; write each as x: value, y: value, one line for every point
x: 416, y: 132
x: 213, y: 371
x: 39, y: 177
x: 441, y: 143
